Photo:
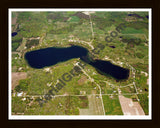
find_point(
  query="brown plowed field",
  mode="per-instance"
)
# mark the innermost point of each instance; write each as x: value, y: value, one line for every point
x: 129, y: 107
x: 16, y: 76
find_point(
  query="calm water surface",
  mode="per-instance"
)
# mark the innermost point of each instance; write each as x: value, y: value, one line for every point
x: 51, y: 56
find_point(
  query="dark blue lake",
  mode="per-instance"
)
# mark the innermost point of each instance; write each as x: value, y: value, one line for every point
x: 147, y: 17
x: 14, y: 34
x: 51, y: 56
x: 109, y: 69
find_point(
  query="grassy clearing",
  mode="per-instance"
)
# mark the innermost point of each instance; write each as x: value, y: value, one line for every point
x: 83, y: 32
x: 18, y: 106
x: 74, y: 19
x: 141, y: 82
x: 17, y: 63
x: 130, y: 30
x: 128, y: 89
x: 38, y: 82
x: 16, y: 42
x: 13, y: 14
x: 22, y: 46
x: 130, y: 96
x: 112, y: 105
x: 40, y: 78
x: 144, y: 101
x: 31, y: 24
x: 71, y: 12
x: 33, y: 42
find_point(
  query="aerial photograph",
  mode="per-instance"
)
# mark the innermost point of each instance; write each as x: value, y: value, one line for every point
x: 79, y: 63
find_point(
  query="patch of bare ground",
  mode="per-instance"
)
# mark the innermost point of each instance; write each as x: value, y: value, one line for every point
x: 95, y: 106
x: 14, y: 22
x: 16, y: 76
x: 129, y: 107
x: 148, y: 81
x: 87, y: 13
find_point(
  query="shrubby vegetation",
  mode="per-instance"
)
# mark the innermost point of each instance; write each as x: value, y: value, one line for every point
x: 141, y: 66
x: 16, y: 41
x: 138, y: 25
x: 102, y: 23
x: 139, y: 55
x: 131, y: 39
x: 54, y: 16
x: 141, y: 82
x: 144, y: 101
x: 18, y: 106
x: 74, y: 19
x: 67, y: 29
x: 23, y: 85
x: 22, y: 16
x: 31, y: 24
x: 104, y: 20
x: 32, y: 42
x: 130, y: 30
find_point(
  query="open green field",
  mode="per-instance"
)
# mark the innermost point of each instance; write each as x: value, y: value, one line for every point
x: 74, y: 19
x: 129, y: 30
x: 144, y: 101
x: 112, y: 105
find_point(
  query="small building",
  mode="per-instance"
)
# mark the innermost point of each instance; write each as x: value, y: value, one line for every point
x: 19, y: 94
